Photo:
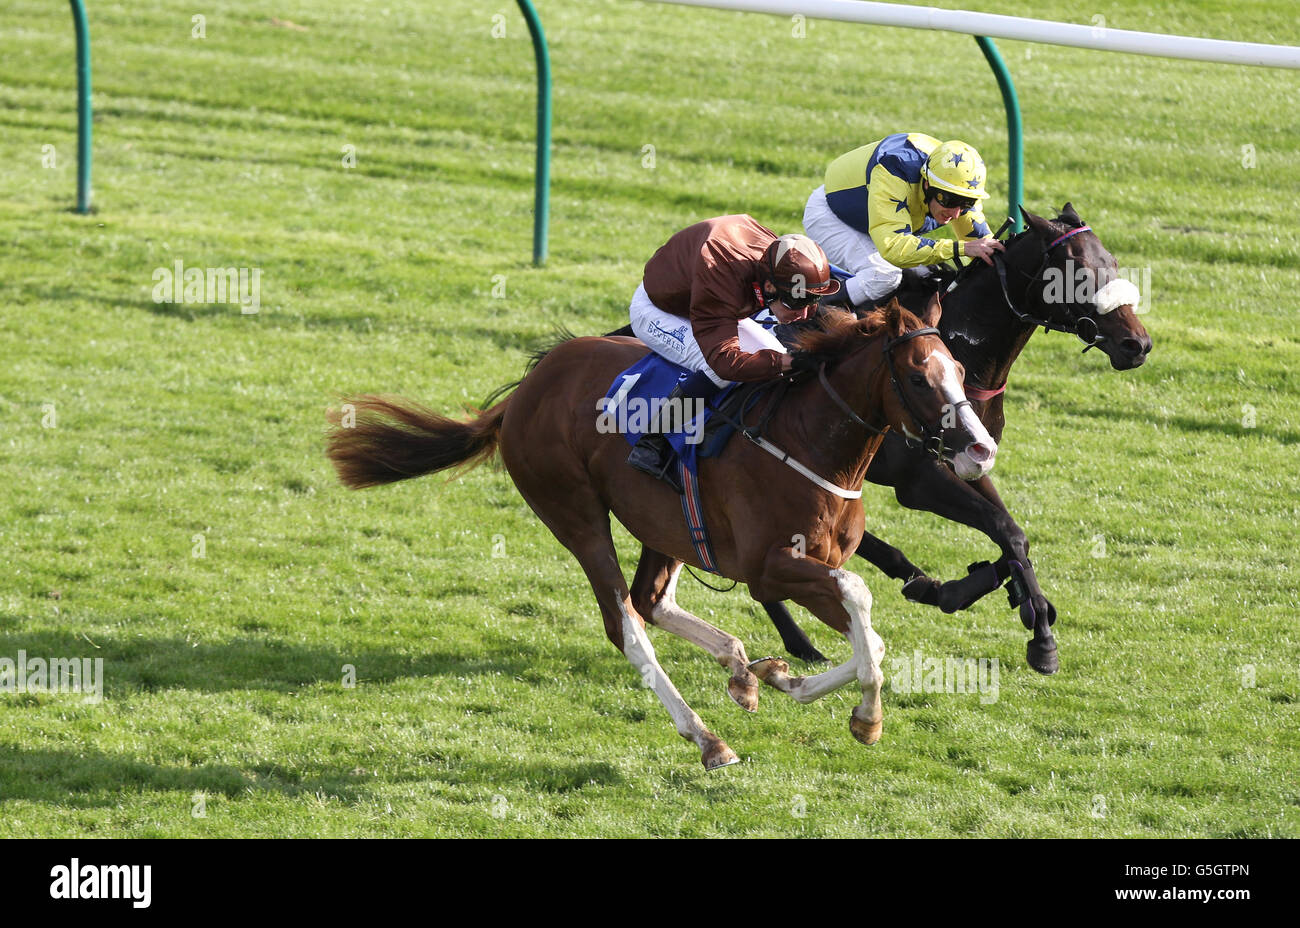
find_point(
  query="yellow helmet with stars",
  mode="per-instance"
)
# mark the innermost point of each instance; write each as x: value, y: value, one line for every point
x: 958, y: 168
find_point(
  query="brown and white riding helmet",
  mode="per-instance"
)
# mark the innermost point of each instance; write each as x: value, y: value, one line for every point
x: 799, y: 269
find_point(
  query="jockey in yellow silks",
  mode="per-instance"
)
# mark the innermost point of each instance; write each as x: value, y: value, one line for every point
x: 878, y: 202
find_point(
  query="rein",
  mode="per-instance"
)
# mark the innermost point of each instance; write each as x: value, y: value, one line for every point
x: 1076, y: 327
x: 933, y: 438
x: 979, y: 393
x: 844, y: 407
x: 753, y: 433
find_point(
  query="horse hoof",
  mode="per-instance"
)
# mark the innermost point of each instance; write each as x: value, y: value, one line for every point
x: 719, y: 755
x: 866, y: 732
x: 922, y: 590
x: 744, y: 693
x: 1042, y: 655
x: 811, y: 655
x: 766, y: 667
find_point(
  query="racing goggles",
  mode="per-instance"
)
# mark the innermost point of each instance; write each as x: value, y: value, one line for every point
x: 952, y: 200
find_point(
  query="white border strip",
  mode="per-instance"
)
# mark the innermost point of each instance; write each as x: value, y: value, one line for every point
x: 1025, y: 30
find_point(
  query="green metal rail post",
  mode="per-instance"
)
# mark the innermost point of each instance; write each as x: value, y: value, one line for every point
x: 1015, y: 135
x: 542, y: 195
x: 83, y: 105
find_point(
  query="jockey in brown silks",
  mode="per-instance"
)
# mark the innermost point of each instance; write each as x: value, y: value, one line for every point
x: 694, y: 304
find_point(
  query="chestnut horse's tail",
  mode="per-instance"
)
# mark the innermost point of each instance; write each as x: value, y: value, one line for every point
x: 383, y: 439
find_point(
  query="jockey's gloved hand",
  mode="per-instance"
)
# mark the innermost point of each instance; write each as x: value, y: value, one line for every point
x: 941, y: 276
x: 805, y: 362
x: 912, y: 281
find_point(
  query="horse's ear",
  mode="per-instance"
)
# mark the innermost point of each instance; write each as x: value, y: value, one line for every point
x: 930, y: 315
x: 1069, y: 215
x: 1038, y: 224
x: 894, y: 317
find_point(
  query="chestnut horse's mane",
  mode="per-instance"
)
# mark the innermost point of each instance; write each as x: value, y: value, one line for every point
x: 841, y: 332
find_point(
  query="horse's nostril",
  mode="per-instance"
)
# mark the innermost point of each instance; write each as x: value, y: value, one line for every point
x: 1133, y: 346
x: 979, y: 452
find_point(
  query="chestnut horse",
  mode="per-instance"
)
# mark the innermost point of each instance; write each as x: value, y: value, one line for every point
x: 783, y: 526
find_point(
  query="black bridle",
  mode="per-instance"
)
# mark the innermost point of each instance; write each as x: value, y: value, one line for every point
x: 931, y: 440
x: 1082, y: 327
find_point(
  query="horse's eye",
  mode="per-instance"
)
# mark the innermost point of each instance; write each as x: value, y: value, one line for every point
x: 918, y: 380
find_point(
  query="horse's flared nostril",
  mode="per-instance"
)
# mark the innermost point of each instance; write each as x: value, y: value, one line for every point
x: 979, y: 453
x: 1135, y: 347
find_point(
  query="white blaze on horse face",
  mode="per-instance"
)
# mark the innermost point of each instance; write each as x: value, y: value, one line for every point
x: 976, y: 459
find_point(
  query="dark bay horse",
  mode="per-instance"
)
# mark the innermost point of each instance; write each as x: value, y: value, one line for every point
x: 883, y: 370
x: 986, y: 321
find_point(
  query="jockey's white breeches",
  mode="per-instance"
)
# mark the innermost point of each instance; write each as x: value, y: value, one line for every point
x: 854, y: 251
x: 671, y: 336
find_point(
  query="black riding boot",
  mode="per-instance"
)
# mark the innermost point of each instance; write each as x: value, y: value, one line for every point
x: 652, y: 454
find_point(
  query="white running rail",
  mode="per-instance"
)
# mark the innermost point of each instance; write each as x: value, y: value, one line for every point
x: 1100, y: 38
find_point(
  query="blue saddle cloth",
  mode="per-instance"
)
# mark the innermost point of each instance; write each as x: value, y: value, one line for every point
x: 635, y: 397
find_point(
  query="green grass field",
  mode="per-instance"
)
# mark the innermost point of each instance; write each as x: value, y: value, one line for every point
x: 167, y: 507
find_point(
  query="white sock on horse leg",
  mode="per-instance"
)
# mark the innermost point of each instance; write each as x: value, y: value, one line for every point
x: 641, y: 653
x: 808, y: 689
x: 674, y: 619
x: 857, y: 601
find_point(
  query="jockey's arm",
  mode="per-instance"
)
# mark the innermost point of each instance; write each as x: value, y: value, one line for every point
x: 715, y: 324
x: 971, y: 225
x: 719, y: 341
x: 891, y: 226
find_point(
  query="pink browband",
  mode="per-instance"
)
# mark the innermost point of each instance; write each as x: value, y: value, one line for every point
x: 1072, y: 232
